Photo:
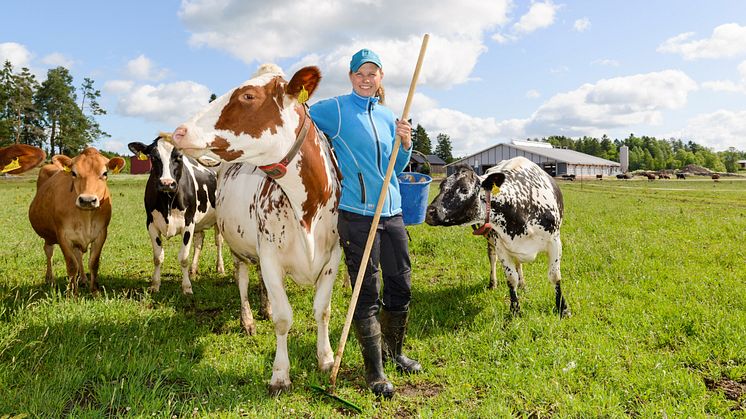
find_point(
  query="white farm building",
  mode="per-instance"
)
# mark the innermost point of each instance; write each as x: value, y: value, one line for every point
x: 555, y: 161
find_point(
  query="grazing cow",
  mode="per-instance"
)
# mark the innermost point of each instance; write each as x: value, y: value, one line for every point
x: 600, y: 177
x: 521, y: 208
x: 179, y: 200
x: 715, y: 177
x: 277, y: 201
x: 650, y: 176
x: 18, y: 158
x: 72, y: 208
x: 680, y: 176
x: 624, y: 176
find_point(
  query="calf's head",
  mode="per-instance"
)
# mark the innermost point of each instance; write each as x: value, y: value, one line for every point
x: 166, y: 162
x: 89, y: 171
x: 255, y: 122
x: 461, y: 198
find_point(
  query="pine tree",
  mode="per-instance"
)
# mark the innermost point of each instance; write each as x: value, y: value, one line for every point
x: 421, y: 141
x: 443, y: 149
x: 56, y: 100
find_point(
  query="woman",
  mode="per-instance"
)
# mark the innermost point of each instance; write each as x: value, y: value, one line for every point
x: 362, y: 132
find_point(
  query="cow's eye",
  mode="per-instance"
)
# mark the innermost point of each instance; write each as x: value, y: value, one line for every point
x: 463, y: 190
x: 248, y: 96
x: 105, y: 174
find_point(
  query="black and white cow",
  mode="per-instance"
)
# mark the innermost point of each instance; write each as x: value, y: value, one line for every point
x: 521, y: 208
x: 179, y: 200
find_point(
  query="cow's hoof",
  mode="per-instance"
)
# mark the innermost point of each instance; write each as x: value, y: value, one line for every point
x: 154, y: 289
x: 249, y: 328
x: 279, y: 388
x: 187, y: 291
x: 326, y: 364
x: 566, y: 313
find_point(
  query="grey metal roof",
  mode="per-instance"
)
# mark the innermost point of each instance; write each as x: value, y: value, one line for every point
x: 431, y: 158
x: 566, y: 155
x: 559, y: 154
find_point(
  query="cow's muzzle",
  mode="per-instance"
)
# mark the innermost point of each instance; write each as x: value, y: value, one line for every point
x: 87, y: 202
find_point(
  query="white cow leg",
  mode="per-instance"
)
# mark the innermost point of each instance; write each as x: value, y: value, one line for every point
x: 555, y: 277
x: 282, y: 317
x: 199, y: 239
x: 155, y: 241
x: 242, y: 278
x: 322, y: 311
x: 220, y: 266
x: 186, y: 247
x: 511, y: 275
x: 521, y: 281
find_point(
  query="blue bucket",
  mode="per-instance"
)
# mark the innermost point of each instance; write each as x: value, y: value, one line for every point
x: 414, y: 188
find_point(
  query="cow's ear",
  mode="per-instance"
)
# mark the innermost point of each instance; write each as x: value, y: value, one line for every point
x: 304, y: 83
x: 115, y: 164
x: 137, y: 148
x: 63, y: 162
x: 493, y: 180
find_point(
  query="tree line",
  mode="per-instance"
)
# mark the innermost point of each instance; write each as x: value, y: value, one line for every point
x: 645, y: 153
x: 53, y: 115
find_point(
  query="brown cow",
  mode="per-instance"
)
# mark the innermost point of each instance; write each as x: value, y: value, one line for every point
x: 18, y: 158
x: 72, y: 208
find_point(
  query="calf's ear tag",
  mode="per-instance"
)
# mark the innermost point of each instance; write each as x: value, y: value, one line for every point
x: 141, y: 156
x: 495, y: 190
x: 118, y: 169
x: 13, y: 165
x: 68, y: 169
x: 303, y: 95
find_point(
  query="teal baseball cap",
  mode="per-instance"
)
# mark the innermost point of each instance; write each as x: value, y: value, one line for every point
x: 364, y: 56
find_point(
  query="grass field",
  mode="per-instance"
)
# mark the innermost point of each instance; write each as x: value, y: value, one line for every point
x: 654, y: 273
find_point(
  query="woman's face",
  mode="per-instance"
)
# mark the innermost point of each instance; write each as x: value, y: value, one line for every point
x: 366, y: 80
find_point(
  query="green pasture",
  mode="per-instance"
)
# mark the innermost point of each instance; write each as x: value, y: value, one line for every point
x: 654, y: 273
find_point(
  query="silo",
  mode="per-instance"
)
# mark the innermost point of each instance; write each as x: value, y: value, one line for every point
x: 624, y: 158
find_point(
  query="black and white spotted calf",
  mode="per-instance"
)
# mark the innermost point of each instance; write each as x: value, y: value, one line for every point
x: 179, y: 200
x: 523, y: 218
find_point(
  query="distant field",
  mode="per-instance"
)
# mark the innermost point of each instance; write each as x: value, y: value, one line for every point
x: 654, y: 272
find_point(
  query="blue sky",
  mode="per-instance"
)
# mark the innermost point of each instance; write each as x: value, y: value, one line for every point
x: 494, y: 71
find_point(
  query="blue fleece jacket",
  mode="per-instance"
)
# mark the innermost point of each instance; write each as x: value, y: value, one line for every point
x: 362, y: 133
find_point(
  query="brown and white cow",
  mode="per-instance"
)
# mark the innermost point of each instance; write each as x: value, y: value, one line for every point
x: 72, y: 208
x: 18, y: 158
x: 521, y: 208
x: 277, y: 197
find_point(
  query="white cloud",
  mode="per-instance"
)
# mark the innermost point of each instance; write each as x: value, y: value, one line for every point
x: 168, y: 104
x: 540, y: 15
x: 57, y: 59
x: 16, y: 53
x: 728, y: 85
x: 118, y: 86
x: 582, y: 25
x: 728, y: 40
x: 612, y: 103
x: 606, y: 62
x: 142, y: 68
x: 468, y: 133
x: 533, y: 94
x: 718, y: 130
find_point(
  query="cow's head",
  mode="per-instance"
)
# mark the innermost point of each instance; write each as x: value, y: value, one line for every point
x: 89, y: 172
x: 18, y: 158
x: 458, y: 202
x: 256, y: 122
x: 166, y: 162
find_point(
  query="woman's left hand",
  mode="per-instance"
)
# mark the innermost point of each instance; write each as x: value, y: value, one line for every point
x: 404, y: 131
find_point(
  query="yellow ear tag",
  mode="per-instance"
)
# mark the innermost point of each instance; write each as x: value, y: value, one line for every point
x: 68, y: 169
x: 141, y: 156
x: 303, y: 95
x: 118, y: 169
x: 13, y: 165
x: 495, y: 190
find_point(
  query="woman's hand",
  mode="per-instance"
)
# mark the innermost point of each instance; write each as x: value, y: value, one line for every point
x: 404, y: 131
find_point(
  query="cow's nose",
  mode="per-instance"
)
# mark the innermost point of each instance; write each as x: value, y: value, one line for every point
x: 167, y: 185
x: 87, y: 201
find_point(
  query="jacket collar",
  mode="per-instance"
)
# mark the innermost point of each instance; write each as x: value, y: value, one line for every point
x: 363, y: 101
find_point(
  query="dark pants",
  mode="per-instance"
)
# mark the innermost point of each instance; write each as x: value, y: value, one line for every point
x: 390, y: 251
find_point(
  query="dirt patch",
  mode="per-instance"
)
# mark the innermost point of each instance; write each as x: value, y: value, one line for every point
x: 733, y: 390
x: 424, y: 389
